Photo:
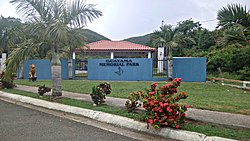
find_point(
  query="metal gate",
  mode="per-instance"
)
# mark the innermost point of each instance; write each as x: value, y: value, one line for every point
x: 159, y: 68
x: 81, y: 70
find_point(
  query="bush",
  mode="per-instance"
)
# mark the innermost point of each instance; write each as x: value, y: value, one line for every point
x: 43, y: 89
x: 161, y: 105
x: 134, y: 101
x: 99, y: 92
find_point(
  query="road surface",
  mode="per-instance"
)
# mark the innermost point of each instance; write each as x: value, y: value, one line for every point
x: 22, y: 122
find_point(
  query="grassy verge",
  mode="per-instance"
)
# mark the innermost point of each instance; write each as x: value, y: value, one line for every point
x: 210, y: 96
x: 205, y: 128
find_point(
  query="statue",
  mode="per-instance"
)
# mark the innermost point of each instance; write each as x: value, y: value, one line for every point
x: 32, y: 73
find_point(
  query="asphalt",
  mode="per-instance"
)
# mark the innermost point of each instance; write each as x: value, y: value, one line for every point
x: 227, y: 119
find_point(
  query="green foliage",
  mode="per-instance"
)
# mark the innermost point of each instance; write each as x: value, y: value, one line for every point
x: 143, y: 40
x: 233, y: 13
x: 230, y: 60
x: 92, y: 36
x: 99, y: 92
x: 233, y: 35
x: 134, y: 101
x: 58, y: 24
x: 6, y: 25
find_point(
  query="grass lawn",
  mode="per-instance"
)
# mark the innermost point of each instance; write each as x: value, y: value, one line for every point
x: 211, y: 96
x: 204, y: 128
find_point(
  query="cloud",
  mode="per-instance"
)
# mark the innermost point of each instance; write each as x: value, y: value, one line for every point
x: 126, y: 18
x: 7, y: 9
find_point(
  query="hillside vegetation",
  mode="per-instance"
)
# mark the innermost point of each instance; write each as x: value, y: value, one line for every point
x: 93, y: 36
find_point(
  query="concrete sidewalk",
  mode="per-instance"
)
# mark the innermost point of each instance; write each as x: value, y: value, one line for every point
x: 228, y: 119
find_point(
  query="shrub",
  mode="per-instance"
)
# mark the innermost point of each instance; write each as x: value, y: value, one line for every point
x: 99, y: 92
x: 43, y: 89
x: 134, y: 101
x: 161, y: 105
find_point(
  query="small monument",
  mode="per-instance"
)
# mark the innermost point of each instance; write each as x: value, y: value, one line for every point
x: 32, y: 73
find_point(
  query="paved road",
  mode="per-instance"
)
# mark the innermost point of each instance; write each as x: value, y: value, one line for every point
x: 18, y: 123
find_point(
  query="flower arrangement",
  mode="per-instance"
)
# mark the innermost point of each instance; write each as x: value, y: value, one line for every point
x: 161, y: 105
x: 99, y: 93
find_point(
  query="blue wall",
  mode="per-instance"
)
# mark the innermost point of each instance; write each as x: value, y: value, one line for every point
x: 126, y: 69
x: 43, y: 69
x: 187, y: 68
x: 190, y: 69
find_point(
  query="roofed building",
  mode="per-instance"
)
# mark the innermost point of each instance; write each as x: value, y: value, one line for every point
x: 117, y: 49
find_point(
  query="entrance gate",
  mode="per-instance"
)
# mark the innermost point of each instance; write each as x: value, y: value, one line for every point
x: 81, y: 70
x: 159, y: 69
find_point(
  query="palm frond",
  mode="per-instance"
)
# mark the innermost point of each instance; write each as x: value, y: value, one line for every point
x: 234, y: 13
x: 80, y: 13
x: 234, y: 35
x: 17, y: 56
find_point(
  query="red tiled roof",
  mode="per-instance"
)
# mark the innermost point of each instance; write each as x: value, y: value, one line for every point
x: 105, y: 45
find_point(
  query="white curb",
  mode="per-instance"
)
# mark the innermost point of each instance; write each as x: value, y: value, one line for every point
x: 114, y: 119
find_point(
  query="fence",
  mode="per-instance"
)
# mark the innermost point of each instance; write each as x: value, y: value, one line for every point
x: 81, y: 65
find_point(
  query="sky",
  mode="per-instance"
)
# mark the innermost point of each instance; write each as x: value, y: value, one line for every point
x: 128, y: 18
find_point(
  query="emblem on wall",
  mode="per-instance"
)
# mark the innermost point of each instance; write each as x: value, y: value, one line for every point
x: 120, y: 71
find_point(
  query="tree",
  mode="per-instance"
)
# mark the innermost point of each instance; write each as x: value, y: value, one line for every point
x: 174, y: 38
x: 188, y: 26
x: 6, y: 24
x: 237, y: 16
x: 166, y: 37
x: 52, y: 22
x: 233, y: 14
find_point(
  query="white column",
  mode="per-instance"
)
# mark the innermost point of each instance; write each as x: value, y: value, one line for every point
x: 74, y: 55
x: 112, y: 55
x: 160, y: 59
x: 149, y: 54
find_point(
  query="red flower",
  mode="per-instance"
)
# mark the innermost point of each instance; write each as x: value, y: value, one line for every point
x: 177, y: 126
x: 165, y: 104
x: 169, y: 109
x: 165, y: 117
x: 154, y: 84
x: 151, y: 93
x: 186, y: 106
x: 150, y: 121
x: 177, y: 79
x: 167, y: 86
x: 161, y: 104
x: 151, y: 103
x: 174, y: 90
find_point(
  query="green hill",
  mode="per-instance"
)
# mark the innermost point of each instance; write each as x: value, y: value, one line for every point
x: 143, y: 40
x: 93, y: 36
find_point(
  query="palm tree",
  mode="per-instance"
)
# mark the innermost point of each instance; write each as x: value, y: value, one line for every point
x: 171, y: 38
x: 166, y: 37
x: 51, y: 23
x: 234, y: 35
x: 234, y: 18
x: 233, y: 14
